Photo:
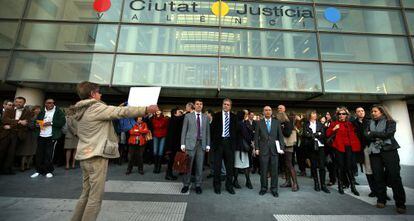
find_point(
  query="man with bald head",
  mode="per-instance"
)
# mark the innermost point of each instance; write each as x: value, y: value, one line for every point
x: 268, y: 131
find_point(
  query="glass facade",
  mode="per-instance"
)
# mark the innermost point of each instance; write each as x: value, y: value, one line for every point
x: 297, y: 46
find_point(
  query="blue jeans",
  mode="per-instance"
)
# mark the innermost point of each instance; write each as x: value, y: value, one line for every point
x: 159, y: 143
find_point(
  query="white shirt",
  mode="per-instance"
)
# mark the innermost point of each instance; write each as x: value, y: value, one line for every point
x: 312, y: 126
x: 18, y: 113
x: 47, y: 131
x: 224, y: 121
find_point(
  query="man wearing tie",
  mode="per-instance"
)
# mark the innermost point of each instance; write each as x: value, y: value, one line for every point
x: 195, y: 140
x: 268, y: 131
x: 224, y: 144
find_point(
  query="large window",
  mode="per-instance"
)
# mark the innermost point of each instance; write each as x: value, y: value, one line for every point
x: 408, y: 3
x: 363, y: 2
x: 61, y: 67
x: 168, y: 40
x: 361, y: 78
x: 167, y: 71
x: 11, y: 8
x: 4, y: 59
x: 73, y: 10
x: 365, y: 48
x: 270, y: 75
x: 73, y: 37
x: 8, y: 31
x: 362, y: 20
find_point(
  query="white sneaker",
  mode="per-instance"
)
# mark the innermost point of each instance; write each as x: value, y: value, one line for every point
x: 49, y: 175
x: 34, y: 175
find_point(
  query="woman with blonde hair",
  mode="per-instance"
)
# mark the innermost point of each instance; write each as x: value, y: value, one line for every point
x: 345, y: 143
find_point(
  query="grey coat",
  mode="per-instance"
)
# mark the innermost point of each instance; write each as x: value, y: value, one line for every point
x: 189, y: 131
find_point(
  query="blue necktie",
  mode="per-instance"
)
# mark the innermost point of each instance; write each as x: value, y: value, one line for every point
x: 268, y: 126
x: 226, y: 125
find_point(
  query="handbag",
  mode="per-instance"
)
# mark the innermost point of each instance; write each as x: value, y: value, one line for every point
x: 245, y: 146
x: 331, y: 140
x: 181, y: 163
x: 148, y: 136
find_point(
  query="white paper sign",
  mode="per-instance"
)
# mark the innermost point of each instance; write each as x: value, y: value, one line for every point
x: 279, y: 150
x: 143, y: 96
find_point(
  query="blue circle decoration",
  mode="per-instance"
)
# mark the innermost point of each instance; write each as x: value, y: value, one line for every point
x: 332, y: 14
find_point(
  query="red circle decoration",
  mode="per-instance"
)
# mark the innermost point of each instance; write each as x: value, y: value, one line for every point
x: 102, y: 5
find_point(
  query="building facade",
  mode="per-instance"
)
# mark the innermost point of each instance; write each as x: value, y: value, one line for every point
x: 293, y: 50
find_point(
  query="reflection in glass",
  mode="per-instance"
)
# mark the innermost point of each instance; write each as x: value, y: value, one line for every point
x: 7, y: 34
x: 74, y: 10
x: 61, y: 67
x: 364, y: 78
x: 61, y: 36
x: 408, y: 3
x: 410, y: 20
x: 365, y: 48
x: 270, y: 75
x: 11, y: 8
x: 168, y: 40
x: 254, y: 43
x: 363, y: 20
x: 166, y: 71
x: 363, y: 2
x: 4, y: 59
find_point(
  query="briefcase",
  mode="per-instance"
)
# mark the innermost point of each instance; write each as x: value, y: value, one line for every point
x: 181, y: 163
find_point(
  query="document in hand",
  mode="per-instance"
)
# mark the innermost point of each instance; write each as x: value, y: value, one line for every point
x: 143, y: 96
x: 279, y: 150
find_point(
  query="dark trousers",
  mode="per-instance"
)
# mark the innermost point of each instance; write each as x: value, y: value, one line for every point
x: 388, y: 161
x: 330, y: 164
x: 7, y: 152
x: 301, y: 158
x: 345, y: 160
x: 44, y: 155
x: 266, y: 162
x: 136, y: 157
x: 223, y: 151
x: 318, y: 162
x: 171, y: 162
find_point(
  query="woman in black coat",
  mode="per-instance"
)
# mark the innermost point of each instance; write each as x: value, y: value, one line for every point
x: 384, y: 157
x: 173, y: 141
x: 243, y: 153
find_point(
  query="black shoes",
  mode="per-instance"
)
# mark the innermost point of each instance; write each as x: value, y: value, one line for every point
x: 230, y: 190
x: 262, y: 192
x: 275, y: 194
x: 249, y: 184
x: 325, y: 189
x: 198, y: 190
x: 217, y: 190
x: 236, y: 184
x: 372, y: 194
x: 185, y: 189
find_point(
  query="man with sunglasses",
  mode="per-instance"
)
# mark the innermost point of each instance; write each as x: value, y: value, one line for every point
x: 49, y: 125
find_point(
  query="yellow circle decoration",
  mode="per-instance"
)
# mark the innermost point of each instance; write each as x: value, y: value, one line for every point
x: 216, y: 9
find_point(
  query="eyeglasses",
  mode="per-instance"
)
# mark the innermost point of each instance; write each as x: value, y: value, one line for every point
x: 344, y: 114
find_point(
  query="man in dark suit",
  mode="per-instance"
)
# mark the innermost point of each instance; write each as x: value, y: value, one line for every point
x: 195, y: 140
x: 224, y: 140
x: 268, y: 131
x: 15, y: 123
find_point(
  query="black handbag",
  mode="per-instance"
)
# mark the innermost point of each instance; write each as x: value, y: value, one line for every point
x: 245, y: 146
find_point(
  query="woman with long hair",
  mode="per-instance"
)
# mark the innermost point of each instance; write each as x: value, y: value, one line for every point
x: 160, y: 129
x: 314, y: 134
x: 384, y: 157
x: 345, y: 143
x: 289, y: 135
x: 243, y: 151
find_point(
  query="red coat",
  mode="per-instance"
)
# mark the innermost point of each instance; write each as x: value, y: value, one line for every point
x: 159, y: 126
x: 138, y: 131
x: 345, y: 136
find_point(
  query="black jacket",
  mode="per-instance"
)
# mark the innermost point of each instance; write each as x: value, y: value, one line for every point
x: 309, y: 136
x: 243, y: 133
x: 217, y: 130
x: 359, y: 129
x: 173, y: 140
x: 388, y: 133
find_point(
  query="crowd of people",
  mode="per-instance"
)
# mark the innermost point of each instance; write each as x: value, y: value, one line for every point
x: 230, y: 144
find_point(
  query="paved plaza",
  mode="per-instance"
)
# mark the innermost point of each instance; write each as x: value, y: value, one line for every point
x: 150, y: 197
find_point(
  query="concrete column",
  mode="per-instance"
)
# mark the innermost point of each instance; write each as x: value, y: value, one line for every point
x: 33, y: 96
x: 404, y: 136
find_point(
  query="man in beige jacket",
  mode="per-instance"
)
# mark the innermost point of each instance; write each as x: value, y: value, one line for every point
x: 97, y: 143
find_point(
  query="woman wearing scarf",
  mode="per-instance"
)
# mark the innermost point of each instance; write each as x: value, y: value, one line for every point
x: 384, y: 157
x: 346, y: 144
